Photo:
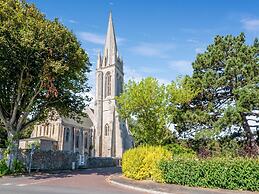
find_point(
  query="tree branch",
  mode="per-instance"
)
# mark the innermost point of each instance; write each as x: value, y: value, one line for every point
x: 27, y: 109
x: 2, y: 117
x: 17, y: 101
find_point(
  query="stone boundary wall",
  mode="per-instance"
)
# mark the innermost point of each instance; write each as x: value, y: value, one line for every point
x: 101, y: 162
x: 49, y: 160
x: 60, y: 160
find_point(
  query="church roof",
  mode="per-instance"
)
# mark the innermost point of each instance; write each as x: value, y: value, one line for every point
x: 85, y: 123
x: 39, y: 138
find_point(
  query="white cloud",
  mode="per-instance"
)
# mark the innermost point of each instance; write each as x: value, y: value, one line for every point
x: 132, y: 74
x: 91, y: 82
x: 72, y: 21
x: 199, y: 50
x: 91, y: 37
x: 91, y: 95
x: 189, y: 30
x: 194, y: 41
x: 93, y: 52
x: 250, y: 24
x: 181, y: 67
x: 153, y: 49
x: 97, y: 38
x: 163, y: 81
x: 151, y: 69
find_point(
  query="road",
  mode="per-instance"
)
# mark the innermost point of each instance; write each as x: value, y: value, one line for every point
x: 77, y: 182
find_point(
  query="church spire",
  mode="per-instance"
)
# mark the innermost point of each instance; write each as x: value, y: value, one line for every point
x: 110, y: 48
x: 99, y: 61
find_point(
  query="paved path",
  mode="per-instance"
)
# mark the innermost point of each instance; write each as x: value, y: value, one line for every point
x: 152, y: 187
x: 79, y: 182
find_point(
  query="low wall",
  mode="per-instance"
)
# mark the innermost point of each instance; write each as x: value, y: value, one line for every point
x: 59, y: 160
x: 49, y: 160
x: 100, y: 162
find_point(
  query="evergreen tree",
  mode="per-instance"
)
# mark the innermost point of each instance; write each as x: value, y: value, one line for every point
x: 227, y: 76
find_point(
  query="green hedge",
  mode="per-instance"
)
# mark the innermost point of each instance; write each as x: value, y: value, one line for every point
x: 142, y: 162
x: 226, y: 173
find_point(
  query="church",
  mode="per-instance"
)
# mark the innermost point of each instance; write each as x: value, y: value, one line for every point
x: 102, y: 133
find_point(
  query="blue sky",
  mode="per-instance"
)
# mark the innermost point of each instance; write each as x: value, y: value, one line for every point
x: 157, y: 38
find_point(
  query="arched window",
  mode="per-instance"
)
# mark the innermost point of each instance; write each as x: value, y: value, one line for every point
x: 77, y: 139
x: 106, y: 130
x: 47, y: 130
x: 86, y: 140
x: 121, y: 85
x: 53, y: 129
x: 100, y: 85
x: 108, y: 84
x: 67, y: 134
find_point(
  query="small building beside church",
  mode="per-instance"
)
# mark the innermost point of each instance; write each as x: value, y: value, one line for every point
x: 62, y: 134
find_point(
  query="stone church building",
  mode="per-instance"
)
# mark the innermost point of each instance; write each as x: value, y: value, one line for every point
x: 102, y: 133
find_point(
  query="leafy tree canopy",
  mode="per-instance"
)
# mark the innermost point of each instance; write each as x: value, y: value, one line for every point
x: 42, y: 66
x: 150, y: 108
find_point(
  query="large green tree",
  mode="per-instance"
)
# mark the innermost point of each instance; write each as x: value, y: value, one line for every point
x: 227, y: 76
x: 42, y: 67
x: 151, y: 108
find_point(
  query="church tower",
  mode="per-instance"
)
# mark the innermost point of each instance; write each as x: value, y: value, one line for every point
x: 112, y: 137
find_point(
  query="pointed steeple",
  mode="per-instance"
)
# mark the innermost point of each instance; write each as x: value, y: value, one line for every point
x: 110, y: 48
x: 99, y: 61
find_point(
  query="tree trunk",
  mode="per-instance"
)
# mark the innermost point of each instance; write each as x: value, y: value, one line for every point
x: 13, y: 146
x: 251, y: 141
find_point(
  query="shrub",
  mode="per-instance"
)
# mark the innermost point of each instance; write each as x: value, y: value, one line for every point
x: 18, y: 167
x: 142, y: 162
x: 235, y: 173
x: 3, y: 167
x: 178, y: 150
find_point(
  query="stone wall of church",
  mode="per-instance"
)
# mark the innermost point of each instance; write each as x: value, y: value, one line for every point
x: 51, y: 130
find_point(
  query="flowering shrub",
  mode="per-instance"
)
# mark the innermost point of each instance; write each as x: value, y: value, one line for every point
x: 142, y: 162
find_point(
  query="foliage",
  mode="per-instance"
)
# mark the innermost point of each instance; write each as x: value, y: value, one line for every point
x: 179, y: 150
x: 36, y: 145
x: 26, y: 133
x: 145, y: 101
x: 236, y: 173
x: 3, y: 167
x: 42, y: 67
x: 222, y: 147
x: 226, y: 76
x: 147, y: 106
x: 142, y: 162
x: 18, y: 167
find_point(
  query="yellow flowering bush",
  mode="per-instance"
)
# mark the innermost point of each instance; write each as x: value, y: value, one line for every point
x: 142, y: 162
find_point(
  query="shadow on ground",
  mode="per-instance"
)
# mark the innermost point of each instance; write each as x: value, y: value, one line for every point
x: 65, y: 174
